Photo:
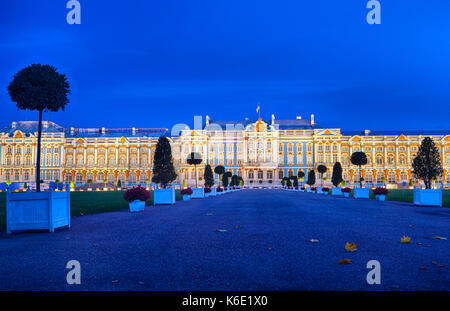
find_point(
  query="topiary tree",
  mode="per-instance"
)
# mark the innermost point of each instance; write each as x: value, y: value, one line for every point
x: 25, y: 186
x: 119, y: 184
x: 163, y: 170
x: 194, y: 158
x: 311, y: 178
x: 225, y: 178
x: 336, y: 178
x: 359, y: 158
x: 294, y: 181
x: 209, y: 176
x: 283, y: 181
x: 427, y: 164
x: 322, y: 170
x: 40, y: 88
x: 288, y: 182
x: 219, y: 170
x: 234, y: 180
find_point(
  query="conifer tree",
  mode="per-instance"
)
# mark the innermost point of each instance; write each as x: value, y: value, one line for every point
x: 208, y: 176
x: 311, y: 178
x: 336, y: 178
x: 427, y: 164
x: 163, y: 170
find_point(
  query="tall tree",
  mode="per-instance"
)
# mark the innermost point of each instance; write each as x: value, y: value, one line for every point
x: 336, y: 179
x: 225, y: 178
x: 322, y: 170
x: 219, y: 170
x: 234, y: 180
x: 208, y: 176
x: 427, y: 164
x: 359, y: 158
x: 311, y: 178
x: 163, y: 170
x: 40, y: 88
x: 194, y: 158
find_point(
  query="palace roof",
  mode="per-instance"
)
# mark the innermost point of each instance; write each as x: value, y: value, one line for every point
x: 31, y: 127
x: 296, y: 124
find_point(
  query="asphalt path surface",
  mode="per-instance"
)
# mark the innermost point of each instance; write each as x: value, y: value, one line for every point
x: 248, y: 240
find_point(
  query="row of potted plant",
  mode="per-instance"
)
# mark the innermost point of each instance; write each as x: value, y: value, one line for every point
x: 189, y: 193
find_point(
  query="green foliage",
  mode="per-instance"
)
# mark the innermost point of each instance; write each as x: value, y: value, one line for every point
x: 321, y: 169
x: 359, y: 158
x: 209, y: 176
x: 163, y: 170
x: 39, y: 88
x: 119, y: 184
x: 25, y: 186
x: 311, y: 178
x: 194, y: 158
x: 288, y: 182
x: 89, y: 181
x: 294, y: 181
x: 234, y: 180
x: 301, y: 174
x: 225, y: 178
x: 219, y: 170
x: 336, y: 178
x: 283, y: 181
x: 427, y: 164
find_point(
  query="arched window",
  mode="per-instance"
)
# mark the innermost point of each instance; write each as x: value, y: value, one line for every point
x: 391, y: 178
x: 402, y: 159
x: 100, y: 177
x: 280, y: 174
x: 27, y: 175
x: 368, y: 177
x: 404, y: 176
x: 132, y: 178
x: 48, y: 175
x: 79, y: 178
x: 260, y: 175
x: 391, y: 159
x: 16, y: 175
x: 251, y: 175
x: 380, y: 177
x: 17, y: 161
x: 68, y: 177
x: 379, y: 159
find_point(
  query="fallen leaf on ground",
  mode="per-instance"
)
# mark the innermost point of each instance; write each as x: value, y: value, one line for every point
x: 210, y: 214
x: 418, y: 243
x: 238, y: 227
x: 115, y: 281
x: 350, y: 247
x: 423, y: 268
x: 405, y: 240
x: 314, y: 241
x: 439, y: 238
x: 427, y: 245
x: 270, y: 248
x: 220, y: 230
x: 345, y: 261
x: 410, y: 226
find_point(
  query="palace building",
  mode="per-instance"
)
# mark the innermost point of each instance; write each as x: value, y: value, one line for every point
x: 261, y: 151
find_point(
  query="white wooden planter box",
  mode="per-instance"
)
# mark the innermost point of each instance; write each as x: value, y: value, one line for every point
x: 37, y: 210
x: 164, y: 196
x: 213, y: 192
x: 198, y: 193
x: 428, y: 197
x: 308, y: 190
x: 336, y: 191
x: 137, y: 206
x: 319, y: 190
x: 361, y: 193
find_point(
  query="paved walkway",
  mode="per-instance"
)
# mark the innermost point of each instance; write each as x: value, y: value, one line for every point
x: 266, y: 246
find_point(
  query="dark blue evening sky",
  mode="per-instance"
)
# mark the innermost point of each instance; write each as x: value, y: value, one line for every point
x: 156, y: 63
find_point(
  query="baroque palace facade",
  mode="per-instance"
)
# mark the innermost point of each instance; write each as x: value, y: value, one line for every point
x: 259, y: 151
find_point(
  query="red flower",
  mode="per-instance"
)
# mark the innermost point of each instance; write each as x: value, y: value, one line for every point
x: 347, y: 190
x: 136, y: 193
x: 207, y: 190
x: 187, y: 191
x: 380, y: 191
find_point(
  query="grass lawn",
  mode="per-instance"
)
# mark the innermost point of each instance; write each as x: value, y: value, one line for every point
x: 408, y: 196
x: 87, y: 202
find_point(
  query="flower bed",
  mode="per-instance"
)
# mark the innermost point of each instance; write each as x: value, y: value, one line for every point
x: 187, y: 191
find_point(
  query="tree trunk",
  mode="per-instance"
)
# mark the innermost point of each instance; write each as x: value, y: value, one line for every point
x: 360, y: 177
x: 196, y: 177
x: 38, y: 159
